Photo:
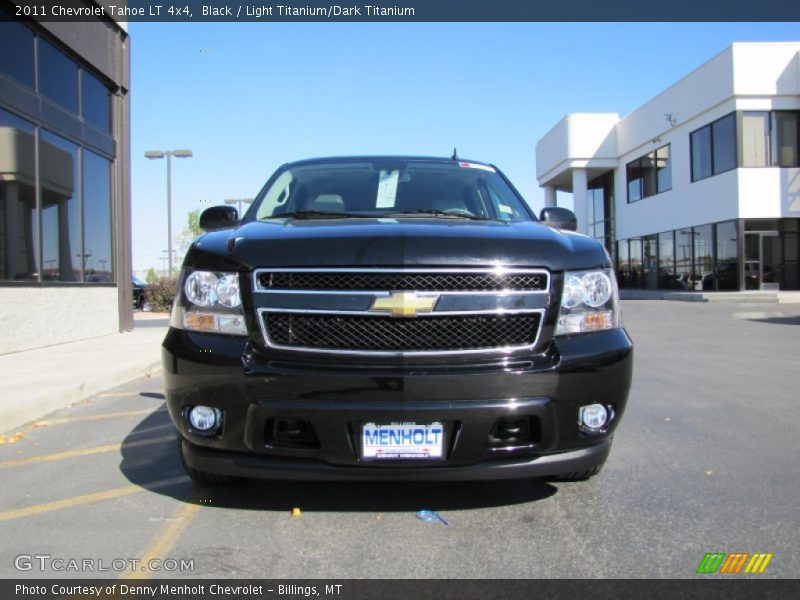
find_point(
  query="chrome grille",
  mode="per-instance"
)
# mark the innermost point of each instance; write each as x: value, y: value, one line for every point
x: 379, y: 280
x: 456, y: 333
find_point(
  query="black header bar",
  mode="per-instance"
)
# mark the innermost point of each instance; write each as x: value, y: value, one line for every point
x: 278, y: 11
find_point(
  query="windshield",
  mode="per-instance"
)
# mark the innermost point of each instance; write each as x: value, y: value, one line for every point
x: 390, y: 189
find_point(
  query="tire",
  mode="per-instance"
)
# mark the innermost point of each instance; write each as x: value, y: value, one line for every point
x: 140, y: 302
x: 202, y: 477
x: 579, y: 475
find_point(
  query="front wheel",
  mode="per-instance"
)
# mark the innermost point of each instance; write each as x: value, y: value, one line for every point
x: 202, y: 477
x: 579, y: 475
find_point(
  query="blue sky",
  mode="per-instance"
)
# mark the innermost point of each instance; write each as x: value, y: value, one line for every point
x: 247, y: 97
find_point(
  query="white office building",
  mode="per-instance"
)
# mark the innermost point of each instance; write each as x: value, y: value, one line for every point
x: 699, y: 188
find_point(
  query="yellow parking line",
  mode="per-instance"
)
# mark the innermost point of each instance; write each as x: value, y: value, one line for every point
x: 62, y: 421
x: 163, y: 541
x: 84, y: 452
x: 119, y: 492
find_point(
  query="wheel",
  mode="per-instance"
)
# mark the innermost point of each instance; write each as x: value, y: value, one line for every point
x: 579, y: 475
x: 202, y: 477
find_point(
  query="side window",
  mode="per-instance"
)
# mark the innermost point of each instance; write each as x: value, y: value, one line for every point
x: 277, y: 196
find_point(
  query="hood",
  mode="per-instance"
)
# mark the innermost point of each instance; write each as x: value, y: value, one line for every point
x: 403, y: 242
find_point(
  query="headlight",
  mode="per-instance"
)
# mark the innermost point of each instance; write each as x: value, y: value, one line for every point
x: 589, y: 302
x: 213, y: 304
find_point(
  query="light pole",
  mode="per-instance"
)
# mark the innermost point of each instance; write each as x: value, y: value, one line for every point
x: 154, y: 155
x: 239, y: 201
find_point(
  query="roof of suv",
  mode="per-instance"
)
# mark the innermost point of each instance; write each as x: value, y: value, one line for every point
x: 340, y: 159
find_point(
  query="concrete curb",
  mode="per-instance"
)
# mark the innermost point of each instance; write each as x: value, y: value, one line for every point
x: 38, y: 382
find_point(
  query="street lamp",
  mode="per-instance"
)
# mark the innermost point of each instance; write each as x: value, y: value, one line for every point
x: 239, y: 201
x: 157, y: 154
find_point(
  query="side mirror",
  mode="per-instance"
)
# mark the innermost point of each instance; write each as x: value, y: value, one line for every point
x: 219, y: 217
x: 559, y: 218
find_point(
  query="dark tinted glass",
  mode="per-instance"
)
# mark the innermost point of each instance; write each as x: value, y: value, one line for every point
x: 727, y: 257
x: 623, y: 264
x: 634, y: 172
x: 724, y: 134
x: 95, y: 107
x: 16, y: 50
x: 18, y: 252
x: 637, y: 274
x: 704, y: 257
x: 683, y: 258
x: 389, y: 188
x: 650, y: 262
x: 648, y: 174
x: 97, y: 218
x: 701, y: 153
x: 787, y: 129
x: 666, y: 261
x: 62, y: 255
x: 663, y: 169
x: 58, y: 76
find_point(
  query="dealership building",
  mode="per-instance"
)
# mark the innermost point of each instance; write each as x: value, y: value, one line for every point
x: 699, y: 188
x: 65, y: 242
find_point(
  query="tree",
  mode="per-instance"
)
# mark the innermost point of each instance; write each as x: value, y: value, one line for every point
x: 190, y: 232
x: 151, y: 276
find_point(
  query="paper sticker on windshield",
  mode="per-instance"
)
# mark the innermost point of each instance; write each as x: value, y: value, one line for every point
x: 468, y: 165
x: 505, y: 208
x: 387, y: 189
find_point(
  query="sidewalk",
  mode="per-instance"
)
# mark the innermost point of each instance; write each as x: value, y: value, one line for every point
x: 37, y: 382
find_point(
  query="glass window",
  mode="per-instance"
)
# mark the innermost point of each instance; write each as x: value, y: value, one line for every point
x: 683, y: 258
x: 650, y: 262
x: 666, y: 261
x: 637, y: 275
x: 62, y: 256
x: 785, y: 128
x: 19, y: 255
x: 58, y: 76
x: 724, y: 140
x: 755, y: 139
x: 623, y: 264
x: 703, y: 257
x: 634, y: 171
x: 663, y: 169
x: 388, y: 187
x: 16, y: 50
x: 95, y: 105
x: 648, y: 164
x: 727, y: 266
x: 701, y: 153
x: 97, y: 218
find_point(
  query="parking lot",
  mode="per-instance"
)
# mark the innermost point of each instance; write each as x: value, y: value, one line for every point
x: 705, y: 461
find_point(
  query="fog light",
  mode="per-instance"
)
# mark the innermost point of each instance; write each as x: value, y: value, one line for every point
x: 593, y: 416
x: 204, y: 418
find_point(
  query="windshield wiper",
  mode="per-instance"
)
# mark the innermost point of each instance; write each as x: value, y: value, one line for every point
x: 435, y: 212
x: 313, y: 214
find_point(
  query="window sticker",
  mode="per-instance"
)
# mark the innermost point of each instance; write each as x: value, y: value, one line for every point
x: 505, y: 208
x: 467, y: 165
x: 387, y: 189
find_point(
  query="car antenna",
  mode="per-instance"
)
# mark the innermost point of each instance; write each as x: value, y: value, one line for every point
x: 455, y: 155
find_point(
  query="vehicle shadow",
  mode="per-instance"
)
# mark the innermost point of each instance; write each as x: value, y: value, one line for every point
x: 778, y: 320
x: 146, y: 464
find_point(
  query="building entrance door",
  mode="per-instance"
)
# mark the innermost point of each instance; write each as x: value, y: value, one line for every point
x: 762, y: 262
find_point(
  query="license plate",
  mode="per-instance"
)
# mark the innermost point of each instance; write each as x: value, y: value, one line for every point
x: 402, y: 441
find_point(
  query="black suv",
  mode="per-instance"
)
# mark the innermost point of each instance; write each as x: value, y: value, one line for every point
x: 394, y: 318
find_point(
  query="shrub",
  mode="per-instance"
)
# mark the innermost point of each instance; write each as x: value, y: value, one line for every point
x: 161, y: 293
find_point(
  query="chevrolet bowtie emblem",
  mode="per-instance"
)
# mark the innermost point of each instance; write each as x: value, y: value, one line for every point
x: 404, y: 304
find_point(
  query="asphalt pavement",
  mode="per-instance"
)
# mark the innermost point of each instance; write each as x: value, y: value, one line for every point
x: 705, y: 460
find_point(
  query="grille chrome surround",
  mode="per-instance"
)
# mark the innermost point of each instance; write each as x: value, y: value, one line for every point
x: 364, y: 326
x: 321, y: 321
x: 373, y: 280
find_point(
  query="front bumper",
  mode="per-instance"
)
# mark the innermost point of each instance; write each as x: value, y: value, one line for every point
x: 253, y: 390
